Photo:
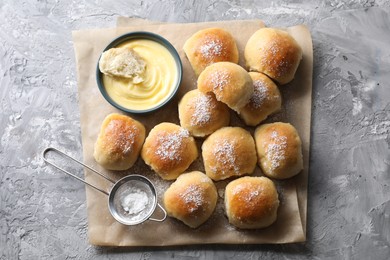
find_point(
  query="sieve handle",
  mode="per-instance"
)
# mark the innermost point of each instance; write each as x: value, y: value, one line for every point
x: 78, y: 162
x: 161, y: 219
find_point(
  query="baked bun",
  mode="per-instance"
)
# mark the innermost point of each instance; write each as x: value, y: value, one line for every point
x: 251, y: 202
x: 265, y: 100
x: 202, y: 114
x: 119, y: 142
x: 229, y: 151
x: 191, y: 198
x: 208, y: 46
x: 169, y: 150
x: 123, y: 62
x: 273, y: 52
x: 279, y: 150
x: 230, y: 83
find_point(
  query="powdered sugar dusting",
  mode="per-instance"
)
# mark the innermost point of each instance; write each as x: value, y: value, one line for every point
x: 240, y: 190
x: 260, y: 94
x: 206, y: 179
x: 253, y: 194
x: 211, y: 48
x: 275, y: 150
x: 121, y: 136
x: 193, y: 197
x: 170, y: 145
x: 278, y: 57
x: 202, y: 110
x: 224, y: 152
x: 219, y: 79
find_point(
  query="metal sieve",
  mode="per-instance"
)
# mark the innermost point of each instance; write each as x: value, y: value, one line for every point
x: 132, y: 200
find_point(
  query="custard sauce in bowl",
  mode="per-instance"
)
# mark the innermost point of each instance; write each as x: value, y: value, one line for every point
x: 161, y: 79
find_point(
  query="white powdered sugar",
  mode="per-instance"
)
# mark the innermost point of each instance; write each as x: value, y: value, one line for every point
x: 211, y: 48
x: 193, y: 197
x: 240, y: 190
x: 206, y: 179
x: 260, y: 94
x: 275, y: 150
x: 219, y: 79
x: 202, y: 110
x: 225, y: 155
x: 135, y: 202
x: 170, y: 145
x: 128, y: 141
x: 281, y: 64
x: 253, y: 194
x: 121, y: 137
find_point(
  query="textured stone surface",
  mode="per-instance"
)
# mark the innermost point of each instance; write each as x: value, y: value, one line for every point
x: 42, y: 212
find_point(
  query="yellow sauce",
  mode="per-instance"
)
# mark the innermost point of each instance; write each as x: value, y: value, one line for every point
x: 160, y: 78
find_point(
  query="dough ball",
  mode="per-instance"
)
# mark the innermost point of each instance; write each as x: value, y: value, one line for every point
x: 251, y: 202
x: 169, y: 150
x: 191, y: 198
x: 273, y: 52
x: 265, y: 100
x: 208, y: 46
x: 230, y: 83
x: 279, y: 150
x: 119, y: 142
x: 228, y: 152
x: 202, y: 114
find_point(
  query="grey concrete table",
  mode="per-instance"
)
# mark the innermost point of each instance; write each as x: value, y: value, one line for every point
x: 42, y: 212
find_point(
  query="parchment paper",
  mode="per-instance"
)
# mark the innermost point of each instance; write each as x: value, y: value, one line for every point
x: 103, y: 229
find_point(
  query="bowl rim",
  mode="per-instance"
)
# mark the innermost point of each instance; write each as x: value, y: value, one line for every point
x: 141, y: 35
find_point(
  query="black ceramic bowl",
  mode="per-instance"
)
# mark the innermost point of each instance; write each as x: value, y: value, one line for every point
x: 148, y: 36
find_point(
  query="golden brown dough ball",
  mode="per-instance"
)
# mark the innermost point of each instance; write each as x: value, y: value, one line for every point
x: 119, y: 142
x: 208, y: 46
x: 273, y: 52
x: 191, y: 198
x: 230, y: 83
x: 265, y: 100
x: 279, y: 150
x: 202, y: 114
x: 251, y: 202
x: 228, y: 152
x: 169, y: 150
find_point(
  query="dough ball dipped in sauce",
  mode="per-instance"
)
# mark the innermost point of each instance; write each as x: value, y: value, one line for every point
x: 140, y: 74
